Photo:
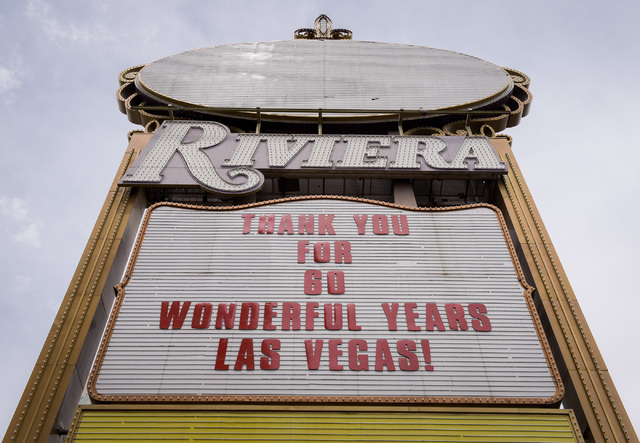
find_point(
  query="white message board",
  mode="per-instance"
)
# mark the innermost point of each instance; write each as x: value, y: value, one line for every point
x: 324, y: 300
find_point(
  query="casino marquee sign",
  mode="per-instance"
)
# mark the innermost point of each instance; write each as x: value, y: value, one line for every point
x: 324, y: 300
x: 206, y: 154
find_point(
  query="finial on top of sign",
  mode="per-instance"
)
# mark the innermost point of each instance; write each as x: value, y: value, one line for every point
x: 323, y: 30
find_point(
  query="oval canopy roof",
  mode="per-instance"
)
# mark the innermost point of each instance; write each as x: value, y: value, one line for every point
x: 327, y: 74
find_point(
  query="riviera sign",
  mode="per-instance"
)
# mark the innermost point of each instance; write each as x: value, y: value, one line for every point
x: 224, y: 163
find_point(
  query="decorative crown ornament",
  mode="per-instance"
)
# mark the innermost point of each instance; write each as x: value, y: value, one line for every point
x: 323, y: 30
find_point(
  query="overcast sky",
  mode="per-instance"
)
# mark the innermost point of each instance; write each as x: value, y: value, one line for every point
x: 63, y: 136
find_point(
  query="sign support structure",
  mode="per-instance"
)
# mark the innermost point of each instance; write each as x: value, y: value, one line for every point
x: 592, y: 386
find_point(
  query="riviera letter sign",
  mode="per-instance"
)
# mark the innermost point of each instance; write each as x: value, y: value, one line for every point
x: 324, y: 299
x: 236, y: 162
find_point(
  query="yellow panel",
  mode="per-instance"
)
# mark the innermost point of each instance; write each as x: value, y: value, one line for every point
x: 239, y: 426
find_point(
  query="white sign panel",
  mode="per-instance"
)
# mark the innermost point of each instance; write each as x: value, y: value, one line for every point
x: 324, y: 300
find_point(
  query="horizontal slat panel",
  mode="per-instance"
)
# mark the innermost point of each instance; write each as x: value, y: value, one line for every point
x: 100, y: 425
x: 327, y: 74
x: 454, y: 257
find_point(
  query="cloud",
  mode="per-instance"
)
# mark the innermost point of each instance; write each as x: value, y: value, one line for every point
x: 9, y: 79
x: 29, y: 234
x: 21, y: 283
x: 15, y: 214
x: 14, y: 208
x: 43, y: 15
x: 12, y: 73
